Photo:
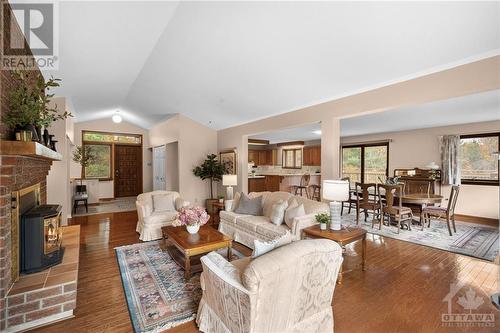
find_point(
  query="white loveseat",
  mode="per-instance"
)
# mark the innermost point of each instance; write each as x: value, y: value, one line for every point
x: 151, y: 221
x: 245, y: 229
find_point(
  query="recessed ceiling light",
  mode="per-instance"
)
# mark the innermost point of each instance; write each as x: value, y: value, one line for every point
x: 317, y: 132
x: 117, y: 118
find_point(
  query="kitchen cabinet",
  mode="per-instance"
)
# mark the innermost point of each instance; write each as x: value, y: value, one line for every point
x: 273, y: 183
x: 312, y: 156
x: 262, y: 157
x: 257, y: 184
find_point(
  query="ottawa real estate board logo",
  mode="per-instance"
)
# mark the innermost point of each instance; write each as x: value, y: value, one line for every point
x: 464, y: 308
x: 30, y: 36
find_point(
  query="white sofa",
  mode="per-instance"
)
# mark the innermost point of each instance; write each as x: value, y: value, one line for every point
x: 150, y: 222
x: 289, y: 289
x: 245, y: 229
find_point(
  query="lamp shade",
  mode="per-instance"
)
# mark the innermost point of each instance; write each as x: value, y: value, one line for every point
x: 336, y: 190
x: 229, y: 180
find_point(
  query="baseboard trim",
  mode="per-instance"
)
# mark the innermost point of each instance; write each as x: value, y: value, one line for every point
x: 106, y: 199
x: 477, y: 219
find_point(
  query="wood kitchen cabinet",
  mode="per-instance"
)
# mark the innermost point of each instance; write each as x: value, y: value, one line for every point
x: 312, y: 156
x: 273, y: 183
x: 262, y: 157
x: 257, y: 184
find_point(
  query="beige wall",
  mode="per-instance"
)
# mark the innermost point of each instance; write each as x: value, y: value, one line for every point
x: 463, y: 80
x: 418, y: 148
x: 195, y: 141
x: 106, y: 188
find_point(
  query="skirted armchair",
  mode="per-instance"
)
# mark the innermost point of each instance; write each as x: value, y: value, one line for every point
x: 151, y: 218
x: 289, y: 289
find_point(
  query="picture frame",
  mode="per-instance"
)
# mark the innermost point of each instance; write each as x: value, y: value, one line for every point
x: 228, y: 158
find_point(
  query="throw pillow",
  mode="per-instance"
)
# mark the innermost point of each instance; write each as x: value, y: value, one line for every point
x: 293, y: 212
x: 249, y: 206
x: 163, y: 202
x: 278, y: 212
x: 260, y: 247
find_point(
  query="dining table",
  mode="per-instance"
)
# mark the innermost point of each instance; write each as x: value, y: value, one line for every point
x: 418, y: 201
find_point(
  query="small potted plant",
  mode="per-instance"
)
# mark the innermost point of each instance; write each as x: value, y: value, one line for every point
x: 192, y: 217
x: 221, y: 198
x: 322, y: 219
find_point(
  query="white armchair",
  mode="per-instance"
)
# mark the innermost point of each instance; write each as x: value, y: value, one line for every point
x: 289, y: 289
x: 150, y: 220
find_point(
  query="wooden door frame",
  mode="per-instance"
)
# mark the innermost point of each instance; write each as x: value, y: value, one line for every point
x: 115, y: 183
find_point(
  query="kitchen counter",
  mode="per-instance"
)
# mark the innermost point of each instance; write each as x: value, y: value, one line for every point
x: 257, y: 176
x: 283, y: 174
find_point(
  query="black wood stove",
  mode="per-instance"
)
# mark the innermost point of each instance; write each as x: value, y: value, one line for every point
x: 41, y: 238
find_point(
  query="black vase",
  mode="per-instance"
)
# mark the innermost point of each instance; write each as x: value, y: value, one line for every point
x: 46, y: 137
x: 38, y: 130
x: 53, y: 145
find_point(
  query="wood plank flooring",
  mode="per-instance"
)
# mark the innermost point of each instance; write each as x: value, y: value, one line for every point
x: 402, y: 289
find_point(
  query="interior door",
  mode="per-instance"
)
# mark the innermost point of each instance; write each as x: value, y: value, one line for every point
x: 159, y: 174
x: 128, y: 170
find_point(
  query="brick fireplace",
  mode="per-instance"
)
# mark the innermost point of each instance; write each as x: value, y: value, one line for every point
x: 31, y: 300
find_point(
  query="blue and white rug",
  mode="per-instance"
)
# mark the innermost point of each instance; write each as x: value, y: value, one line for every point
x: 471, y: 239
x: 158, y: 296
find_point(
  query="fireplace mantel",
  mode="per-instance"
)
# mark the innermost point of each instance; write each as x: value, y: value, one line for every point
x: 32, y: 149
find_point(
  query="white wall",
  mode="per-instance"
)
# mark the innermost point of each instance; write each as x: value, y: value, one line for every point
x: 58, y: 185
x: 195, y: 142
x: 106, y: 188
x: 418, y: 148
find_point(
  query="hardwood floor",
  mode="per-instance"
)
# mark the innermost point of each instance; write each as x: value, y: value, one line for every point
x: 402, y: 289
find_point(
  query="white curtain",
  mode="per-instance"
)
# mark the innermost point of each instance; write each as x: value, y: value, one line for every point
x: 450, y: 159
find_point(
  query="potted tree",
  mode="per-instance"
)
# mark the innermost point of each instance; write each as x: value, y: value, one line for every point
x: 83, y: 155
x: 212, y: 170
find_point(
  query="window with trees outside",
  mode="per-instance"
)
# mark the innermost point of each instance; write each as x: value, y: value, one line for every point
x: 101, y: 168
x: 366, y: 163
x: 478, y: 163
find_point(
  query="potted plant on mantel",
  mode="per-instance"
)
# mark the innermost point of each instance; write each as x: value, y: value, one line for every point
x: 212, y: 170
x: 29, y: 108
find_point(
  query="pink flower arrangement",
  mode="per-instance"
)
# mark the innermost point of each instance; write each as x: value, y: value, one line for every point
x: 191, y: 216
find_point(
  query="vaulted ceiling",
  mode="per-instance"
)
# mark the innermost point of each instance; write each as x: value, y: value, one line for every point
x: 226, y: 63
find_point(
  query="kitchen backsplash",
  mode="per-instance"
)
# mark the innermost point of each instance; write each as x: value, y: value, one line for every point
x: 278, y: 169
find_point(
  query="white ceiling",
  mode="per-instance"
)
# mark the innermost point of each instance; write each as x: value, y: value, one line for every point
x: 226, y: 63
x: 460, y: 110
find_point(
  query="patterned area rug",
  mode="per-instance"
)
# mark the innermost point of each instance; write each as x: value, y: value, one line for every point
x: 471, y: 239
x: 125, y: 204
x: 157, y: 295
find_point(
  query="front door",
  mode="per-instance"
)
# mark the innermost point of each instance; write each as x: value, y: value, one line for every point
x: 128, y: 170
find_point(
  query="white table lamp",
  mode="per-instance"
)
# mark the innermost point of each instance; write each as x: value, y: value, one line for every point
x: 229, y: 181
x: 335, y: 191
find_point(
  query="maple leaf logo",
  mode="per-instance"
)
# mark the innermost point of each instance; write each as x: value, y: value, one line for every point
x: 470, y: 301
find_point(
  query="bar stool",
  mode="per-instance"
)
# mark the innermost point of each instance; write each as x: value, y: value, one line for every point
x: 316, y: 192
x: 304, y: 185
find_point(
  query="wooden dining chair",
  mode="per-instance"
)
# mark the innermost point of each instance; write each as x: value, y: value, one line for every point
x: 387, y: 195
x: 303, y: 186
x: 352, y: 197
x: 366, y: 200
x: 441, y: 212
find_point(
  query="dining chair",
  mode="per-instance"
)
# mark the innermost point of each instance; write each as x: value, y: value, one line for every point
x: 417, y: 186
x: 366, y: 200
x: 316, y: 192
x: 441, y: 212
x: 303, y: 186
x: 387, y: 195
x: 352, y: 197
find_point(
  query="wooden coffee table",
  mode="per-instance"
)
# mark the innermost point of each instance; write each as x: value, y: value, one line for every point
x: 342, y: 237
x: 186, y: 249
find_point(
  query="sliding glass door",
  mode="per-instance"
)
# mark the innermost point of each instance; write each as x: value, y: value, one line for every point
x: 366, y: 163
